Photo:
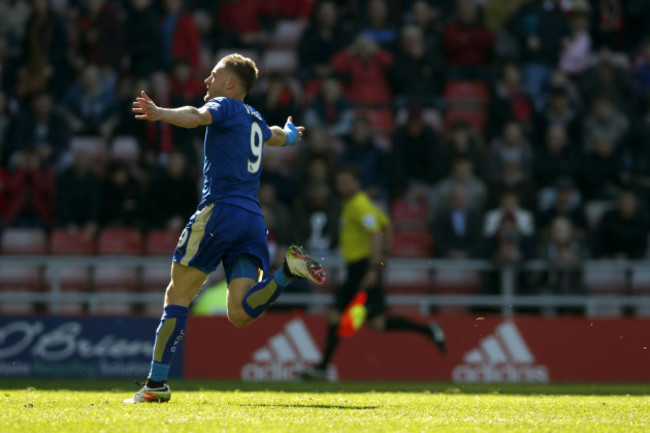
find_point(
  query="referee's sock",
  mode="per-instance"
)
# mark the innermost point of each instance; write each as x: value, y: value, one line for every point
x: 169, y: 335
x: 264, y: 293
x: 397, y: 323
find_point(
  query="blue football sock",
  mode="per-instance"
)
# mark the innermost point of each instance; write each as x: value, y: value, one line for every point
x: 169, y: 335
x: 264, y: 293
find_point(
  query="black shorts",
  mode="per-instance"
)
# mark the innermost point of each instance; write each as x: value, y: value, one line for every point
x: 376, y: 304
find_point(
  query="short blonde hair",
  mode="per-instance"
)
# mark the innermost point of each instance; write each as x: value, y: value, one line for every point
x: 244, y: 68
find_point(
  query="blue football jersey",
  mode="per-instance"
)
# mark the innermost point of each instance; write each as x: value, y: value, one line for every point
x: 233, y: 154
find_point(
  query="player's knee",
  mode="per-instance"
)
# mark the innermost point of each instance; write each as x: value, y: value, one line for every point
x: 238, y: 317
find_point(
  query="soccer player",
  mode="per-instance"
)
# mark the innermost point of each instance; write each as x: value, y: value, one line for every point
x: 364, y: 238
x: 228, y: 225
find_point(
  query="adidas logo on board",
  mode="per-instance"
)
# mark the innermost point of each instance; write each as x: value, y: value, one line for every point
x: 286, y: 353
x: 501, y: 357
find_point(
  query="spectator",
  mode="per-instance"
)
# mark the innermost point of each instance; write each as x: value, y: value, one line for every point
x: 457, y: 227
x: 560, y: 113
x: 605, y: 121
x: 609, y: 79
x: 121, y: 198
x: 277, y: 215
x: 601, y: 170
x: 317, y: 148
x: 622, y: 233
x: 509, y: 205
x: 575, y: 56
x: 30, y: 192
x: 557, y: 158
x: 44, y: 53
x: 90, y: 108
x: 641, y: 69
x: 512, y: 178
x: 540, y: 28
x: 418, y: 78
x: 460, y: 142
x: 462, y: 174
x: 78, y: 185
x: 509, y: 101
x: 185, y: 87
x: 330, y: 109
x: 276, y: 97
x: 563, y: 201
x: 512, y: 147
x: 324, y: 37
x: 173, y: 194
x: 180, y: 35
x: 378, y: 26
x: 364, y: 67
x: 144, y: 46
x: 277, y: 172
x: 243, y: 23
x: 468, y: 43
x: 316, y: 218
x: 99, y: 35
x: 610, y: 25
x: 6, y: 121
x: 362, y: 151
x: 413, y: 158
x: 42, y: 129
x: 563, y: 249
x: 429, y: 19
x: 14, y: 15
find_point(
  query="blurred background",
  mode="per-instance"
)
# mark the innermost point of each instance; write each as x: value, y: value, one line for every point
x: 509, y: 141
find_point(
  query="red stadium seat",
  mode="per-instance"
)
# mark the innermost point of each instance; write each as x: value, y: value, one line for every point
x: 18, y: 278
x: 279, y: 61
x: 23, y: 241
x: 287, y: 33
x: 71, y: 278
x: 409, y: 215
x: 64, y: 243
x: 411, y: 244
x: 381, y: 119
x: 466, y: 94
x: 125, y: 148
x: 160, y: 242
x: 120, y: 241
x: 110, y: 278
x: 154, y: 280
x: 475, y: 119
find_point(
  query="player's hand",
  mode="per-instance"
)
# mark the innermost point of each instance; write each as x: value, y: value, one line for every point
x: 145, y: 109
x: 294, y: 133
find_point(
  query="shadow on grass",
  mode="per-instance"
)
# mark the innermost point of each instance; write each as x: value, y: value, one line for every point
x: 124, y: 385
x: 313, y: 406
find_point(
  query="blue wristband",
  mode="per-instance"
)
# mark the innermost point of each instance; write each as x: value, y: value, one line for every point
x: 292, y: 134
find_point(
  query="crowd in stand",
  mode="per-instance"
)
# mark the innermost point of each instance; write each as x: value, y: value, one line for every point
x: 547, y: 155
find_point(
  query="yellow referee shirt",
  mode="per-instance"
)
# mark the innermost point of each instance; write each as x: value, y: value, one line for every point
x: 360, y: 218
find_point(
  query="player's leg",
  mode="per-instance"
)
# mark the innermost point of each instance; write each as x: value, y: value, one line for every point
x: 342, y: 297
x: 195, y: 257
x: 185, y: 283
x: 248, y: 298
x: 380, y: 322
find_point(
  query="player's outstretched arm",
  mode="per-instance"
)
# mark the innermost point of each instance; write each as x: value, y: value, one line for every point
x: 287, y: 136
x: 185, y: 117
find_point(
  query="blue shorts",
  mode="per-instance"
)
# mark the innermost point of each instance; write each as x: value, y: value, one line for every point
x: 222, y: 232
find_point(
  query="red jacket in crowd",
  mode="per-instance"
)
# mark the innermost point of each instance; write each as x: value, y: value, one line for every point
x: 37, y: 186
x: 468, y: 46
x: 366, y: 82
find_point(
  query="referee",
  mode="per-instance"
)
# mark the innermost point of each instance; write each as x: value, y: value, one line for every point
x: 364, y: 238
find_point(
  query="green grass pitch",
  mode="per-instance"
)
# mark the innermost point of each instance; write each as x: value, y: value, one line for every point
x: 96, y: 406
